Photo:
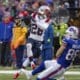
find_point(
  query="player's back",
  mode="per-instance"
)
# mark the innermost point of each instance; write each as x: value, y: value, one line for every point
x: 71, y: 50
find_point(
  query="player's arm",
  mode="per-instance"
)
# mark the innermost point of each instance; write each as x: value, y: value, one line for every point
x: 60, y: 50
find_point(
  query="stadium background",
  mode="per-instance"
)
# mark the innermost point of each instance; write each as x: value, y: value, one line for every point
x: 74, y: 17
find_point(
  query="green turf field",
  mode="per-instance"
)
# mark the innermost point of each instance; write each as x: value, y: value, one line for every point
x: 10, y: 77
x: 23, y: 77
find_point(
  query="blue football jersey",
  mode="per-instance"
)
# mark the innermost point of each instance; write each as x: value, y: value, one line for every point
x: 70, y: 52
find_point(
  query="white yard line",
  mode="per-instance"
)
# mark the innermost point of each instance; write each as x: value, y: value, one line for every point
x: 7, y: 71
x: 13, y: 71
x: 72, y: 73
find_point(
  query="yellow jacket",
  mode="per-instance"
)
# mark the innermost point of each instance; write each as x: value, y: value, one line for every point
x: 19, y: 36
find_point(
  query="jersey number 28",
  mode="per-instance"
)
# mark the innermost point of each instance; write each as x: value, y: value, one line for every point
x: 36, y: 30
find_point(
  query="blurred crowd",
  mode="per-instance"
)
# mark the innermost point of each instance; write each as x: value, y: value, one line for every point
x: 14, y: 22
x: 9, y: 17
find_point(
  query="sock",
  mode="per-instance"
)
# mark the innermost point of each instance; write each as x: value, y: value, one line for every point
x: 26, y: 62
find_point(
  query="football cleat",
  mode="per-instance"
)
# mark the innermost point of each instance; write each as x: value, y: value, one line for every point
x: 16, y: 75
x: 27, y: 73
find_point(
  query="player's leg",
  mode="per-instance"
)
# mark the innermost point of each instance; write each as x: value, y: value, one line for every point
x: 29, y: 50
x: 43, y: 66
x: 19, y: 55
x: 51, y: 72
x: 31, y: 73
x: 39, y: 69
x: 37, y: 52
x: 29, y: 58
x: 29, y: 46
x: 19, y: 59
x: 25, y: 63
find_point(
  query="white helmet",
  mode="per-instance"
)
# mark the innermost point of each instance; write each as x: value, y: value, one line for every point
x: 72, y: 32
x: 44, y: 10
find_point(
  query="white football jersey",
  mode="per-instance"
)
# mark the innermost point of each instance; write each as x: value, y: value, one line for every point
x: 38, y: 27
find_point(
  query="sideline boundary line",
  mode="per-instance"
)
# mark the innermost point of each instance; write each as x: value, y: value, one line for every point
x: 13, y: 71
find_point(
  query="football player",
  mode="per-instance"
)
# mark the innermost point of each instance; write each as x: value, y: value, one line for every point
x: 39, y: 23
x: 64, y: 57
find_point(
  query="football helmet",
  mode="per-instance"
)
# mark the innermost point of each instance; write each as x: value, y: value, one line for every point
x: 44, y: 11
x: 72, y: 32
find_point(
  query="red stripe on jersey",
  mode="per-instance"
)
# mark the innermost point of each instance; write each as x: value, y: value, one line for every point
x: 34, y: 14
x: 47, y: 20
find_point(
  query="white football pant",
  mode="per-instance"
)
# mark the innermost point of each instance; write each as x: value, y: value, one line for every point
x: 53, y: 70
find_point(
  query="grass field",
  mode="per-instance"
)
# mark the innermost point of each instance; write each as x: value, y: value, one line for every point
x: 10, y: 77
x: 23, y: 77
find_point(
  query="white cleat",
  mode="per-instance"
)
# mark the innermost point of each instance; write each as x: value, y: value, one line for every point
x: 27, y: 73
